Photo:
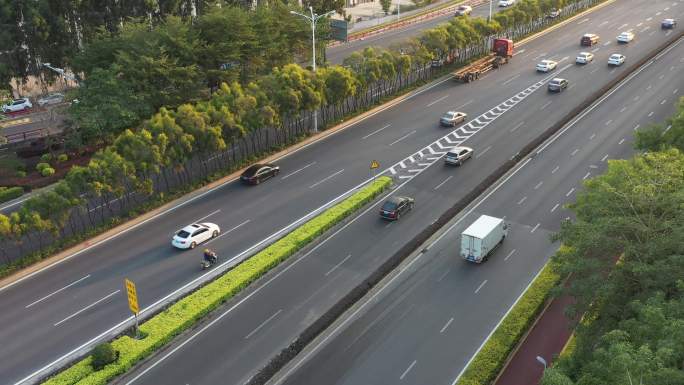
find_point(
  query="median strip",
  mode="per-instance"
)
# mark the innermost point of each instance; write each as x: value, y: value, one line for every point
x: 180, y: 316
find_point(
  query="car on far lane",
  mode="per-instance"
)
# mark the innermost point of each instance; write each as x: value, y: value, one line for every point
x: 584, y: 58
x: 546, y: 65
x: 616, y: 59
x: 17, y: 105
x: 458, y: 155
x: 506, y: 3
x: 258, y: 173
x: 554, y: 13
x: 190, y: 236
x: 395, y: 207
x: 625, y: 37
x: 668, y: 23
x: 452, y: 118
x: 54, y: 98
x: 589, y: 39
x: 464, y: 10
x: 557, y: 85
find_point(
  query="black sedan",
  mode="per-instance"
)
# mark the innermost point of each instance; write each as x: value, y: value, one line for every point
x: 258, y: 173
x: 395, y: 207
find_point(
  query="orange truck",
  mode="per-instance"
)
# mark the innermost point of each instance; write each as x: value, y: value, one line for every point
x: 502, y: 50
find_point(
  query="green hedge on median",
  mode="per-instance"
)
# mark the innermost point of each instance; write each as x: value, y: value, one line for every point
x: 9, y: 193
x: 490, y: 360
x: 161, y: 328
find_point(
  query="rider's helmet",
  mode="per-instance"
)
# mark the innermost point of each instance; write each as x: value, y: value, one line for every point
x: 207, y: 251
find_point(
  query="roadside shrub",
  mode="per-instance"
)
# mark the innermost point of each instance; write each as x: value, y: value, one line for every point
x: 46, y: 158
x: 161, y: 328
x: 9, y: 193
x: 103, y: 355
x: 42, y: 165
x: 62, y: 158
x: 20, y: 174
x: 47, y: 171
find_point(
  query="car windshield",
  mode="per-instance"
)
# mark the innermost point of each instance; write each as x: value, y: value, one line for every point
x: 16, y: 102
x: 389, y: 206
x: 252, y: 170
x: 183, y: 234
x: 449, y: 115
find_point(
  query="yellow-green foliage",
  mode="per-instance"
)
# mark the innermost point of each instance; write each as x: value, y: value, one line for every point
x: 161, y: 328
x: 489, y: 361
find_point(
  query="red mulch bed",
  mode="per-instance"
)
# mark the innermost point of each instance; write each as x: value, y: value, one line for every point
x: 34, y: 179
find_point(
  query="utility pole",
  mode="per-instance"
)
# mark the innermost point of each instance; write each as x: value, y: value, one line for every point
x: 313, y: 19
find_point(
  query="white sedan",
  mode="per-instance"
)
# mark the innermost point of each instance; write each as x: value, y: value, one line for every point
x: 17, y: 105
x: 616, y: 59
x: 506, y: 3
x: 584, y: 58
x: 190, y: 236
x: 625, y: 37
x: 49, y: 99
x: 546, y: 65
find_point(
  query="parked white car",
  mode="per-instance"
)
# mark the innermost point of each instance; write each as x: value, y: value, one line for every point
x: 190, y: 236
x: 506, y: 3
x: 49, y: 99
x: 584, y: 58
x: 616, y: 59
x: 17, y: 105
x: 625, y: 37
x: 546, y: 65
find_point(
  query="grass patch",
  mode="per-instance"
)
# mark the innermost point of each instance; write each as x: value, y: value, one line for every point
x: 161, y: 328
x: 490, y: 359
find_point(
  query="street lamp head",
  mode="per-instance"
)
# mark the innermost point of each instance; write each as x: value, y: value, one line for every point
x: 293, y: 12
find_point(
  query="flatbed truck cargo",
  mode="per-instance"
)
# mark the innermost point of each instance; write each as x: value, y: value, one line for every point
x: 480, y: 239
x: 502, y: 51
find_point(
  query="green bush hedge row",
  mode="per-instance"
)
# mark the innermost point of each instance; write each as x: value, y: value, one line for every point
x: 161, y: 328
x: 9, y: 193
x: 490, y: 360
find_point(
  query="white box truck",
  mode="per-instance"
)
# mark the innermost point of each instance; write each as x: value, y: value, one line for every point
x: 480, y: 239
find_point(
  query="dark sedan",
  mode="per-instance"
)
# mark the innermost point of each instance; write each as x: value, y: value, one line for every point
x: 258, y: 173
x: 395, y: 207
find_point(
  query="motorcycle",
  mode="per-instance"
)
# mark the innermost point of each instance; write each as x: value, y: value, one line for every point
x: 205, y: 264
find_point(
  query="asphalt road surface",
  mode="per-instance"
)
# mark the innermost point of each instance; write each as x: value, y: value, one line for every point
x: 242, y: 337
x: 425, y: 324
x: 337, y: 54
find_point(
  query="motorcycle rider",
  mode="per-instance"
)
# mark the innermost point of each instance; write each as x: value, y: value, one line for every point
x: 210, y: 256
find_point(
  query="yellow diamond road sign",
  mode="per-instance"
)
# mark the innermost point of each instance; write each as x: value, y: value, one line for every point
x: 375, y: 164
x: 132, y: 297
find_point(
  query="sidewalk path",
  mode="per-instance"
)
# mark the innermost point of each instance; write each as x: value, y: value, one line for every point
x: 546, y: 339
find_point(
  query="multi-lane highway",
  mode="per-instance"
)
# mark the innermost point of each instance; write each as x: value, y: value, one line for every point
x: 511, y: 107
x: 337, y: 54
x: 426, y: 322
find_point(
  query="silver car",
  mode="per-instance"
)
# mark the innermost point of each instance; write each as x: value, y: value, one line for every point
x: 458, y: 155
x: 49, y: 99
x: 452, y: 118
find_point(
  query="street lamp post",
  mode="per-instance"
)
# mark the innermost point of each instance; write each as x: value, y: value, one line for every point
x: 490, y: 10
x: 313, y: 19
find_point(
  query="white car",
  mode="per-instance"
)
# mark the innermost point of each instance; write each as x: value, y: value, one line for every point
x: 17, y: 105
x: 464, y: 10
x: 546, y: 65
x: 616, y: 59
x: 506, y: 3
x: 584, y: 58
x: 54, y: 98
x: 190, y: 236
x: 625, y: 37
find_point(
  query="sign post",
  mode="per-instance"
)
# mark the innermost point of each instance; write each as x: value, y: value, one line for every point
x: 373, y: 166
x: 133, y: 302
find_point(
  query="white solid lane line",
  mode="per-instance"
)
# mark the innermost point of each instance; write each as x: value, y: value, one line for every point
x: 554, y: 170
x: 574, y: 152
x: 522, y: 200
x: 376, y: 131
x: 296, y: 171
x: 535, y: 228
x: 444, y: 181
x: 446, y: 325
x: 56, y: 291
x: 338, y: 265
x: 479, y: 154
x: 229, y: 231
x: 604, y: 158
x: 326, y: 179
x: 403, y: 137
x: 437, y: 101
x: 87, y: 307
x: 555, y: 207
x: 538, y: 185
x: 586, y: 175
x: 509, y: 255
x: 621, y: 141
x: 408, y: 370
x: 480, y: 287
x: 570, y: 192
x: 263, y: 324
